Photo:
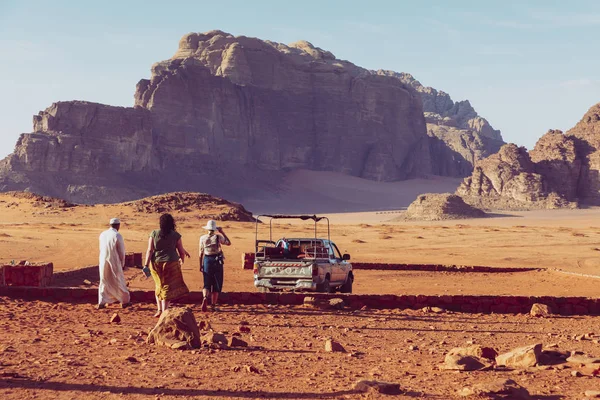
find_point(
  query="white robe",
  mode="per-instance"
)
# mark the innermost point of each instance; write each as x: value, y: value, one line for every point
x: 113, y: 287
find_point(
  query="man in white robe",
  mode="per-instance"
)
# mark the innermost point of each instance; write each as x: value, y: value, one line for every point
x: 112, y: 287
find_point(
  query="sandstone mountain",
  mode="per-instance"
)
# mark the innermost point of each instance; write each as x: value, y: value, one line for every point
x: 459, y: 137
x: 230, y: 115
x: 563, y: 170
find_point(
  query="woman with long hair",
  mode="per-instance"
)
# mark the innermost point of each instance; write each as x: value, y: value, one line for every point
x: 165, y: 254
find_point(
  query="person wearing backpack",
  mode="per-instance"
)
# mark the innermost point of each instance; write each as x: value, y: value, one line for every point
x: 211, y: 263
x: 165, y: 254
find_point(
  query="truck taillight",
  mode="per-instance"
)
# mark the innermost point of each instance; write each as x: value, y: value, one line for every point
x: 315, y: 270
x: 255, y: 269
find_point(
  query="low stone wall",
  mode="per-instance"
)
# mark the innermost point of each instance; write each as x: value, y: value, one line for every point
x: 133, y: 260
x: 248, y: 263
x: 27, y: 274
x: 466, y: 304
x: 82, y: 273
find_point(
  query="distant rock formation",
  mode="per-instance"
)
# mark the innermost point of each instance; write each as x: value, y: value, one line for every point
x: 563, y: 170
x: 440, y: 206
x: 459, y: 137
x: 228, y: 114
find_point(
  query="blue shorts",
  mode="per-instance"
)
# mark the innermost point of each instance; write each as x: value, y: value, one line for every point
x: 212, y: 274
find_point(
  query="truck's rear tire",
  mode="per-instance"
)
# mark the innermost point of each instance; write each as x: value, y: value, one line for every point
x: 325, y: 287
x: 347, y: 286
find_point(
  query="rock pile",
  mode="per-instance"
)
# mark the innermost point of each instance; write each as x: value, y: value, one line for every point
x: 202, y: 204
x: 440, y: 206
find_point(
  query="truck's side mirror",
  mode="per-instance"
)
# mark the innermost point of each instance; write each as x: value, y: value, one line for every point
x: 346, y: 257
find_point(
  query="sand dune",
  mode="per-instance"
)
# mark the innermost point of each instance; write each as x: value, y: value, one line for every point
x: 306, y: 191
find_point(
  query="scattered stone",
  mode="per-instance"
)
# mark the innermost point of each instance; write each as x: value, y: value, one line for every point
x: 115, y: 319
x: 213, y: 337
x: 459, y: 362
x: 522, y: 357
x: 244, y: 329
x: 234, y: 341
x: 113, y: 341
x: 413, y: 347
x: 179, y: 375
x: 582, y: 359
x: 435, y: 310
x: 176, y: 326
x: 337, y: 304
x: 310, y: 301
x: 592, y: 394
x: 576, y: 374
x: 500, y: 389
x: 475, y: 350
x: 204, y: 325
x: 251, y: 369
x: 540, y: 310
x: 377, y: 387
x: 131, y: 359
x: 332, y: 346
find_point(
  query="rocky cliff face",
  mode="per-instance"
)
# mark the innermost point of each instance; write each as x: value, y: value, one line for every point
x: 563, y: 170
x: 459, y: 137
x: 226, y: 114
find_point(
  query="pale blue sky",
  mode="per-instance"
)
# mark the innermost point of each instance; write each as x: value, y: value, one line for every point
x: 526, y: 66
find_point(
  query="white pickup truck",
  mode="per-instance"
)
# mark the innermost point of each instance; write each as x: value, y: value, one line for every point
x: 301, y: 264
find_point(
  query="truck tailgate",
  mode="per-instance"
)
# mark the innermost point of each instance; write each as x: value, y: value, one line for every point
x: 285, y: 270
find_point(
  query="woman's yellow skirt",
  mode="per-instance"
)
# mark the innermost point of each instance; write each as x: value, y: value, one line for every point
x: 168, y: 280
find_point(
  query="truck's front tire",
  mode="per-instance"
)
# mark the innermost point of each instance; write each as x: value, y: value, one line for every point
x: 347, y: 286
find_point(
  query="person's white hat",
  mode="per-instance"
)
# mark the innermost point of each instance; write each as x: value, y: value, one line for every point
x: 115, y: 221
x: 211, y: 225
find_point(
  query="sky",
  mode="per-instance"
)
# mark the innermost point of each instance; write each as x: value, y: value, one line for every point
x: 525, y: 66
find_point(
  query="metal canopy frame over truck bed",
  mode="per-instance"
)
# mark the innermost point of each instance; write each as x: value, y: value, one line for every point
x: 271, y: 217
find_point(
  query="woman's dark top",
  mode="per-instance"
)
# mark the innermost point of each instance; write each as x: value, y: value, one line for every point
x: 165, y: 249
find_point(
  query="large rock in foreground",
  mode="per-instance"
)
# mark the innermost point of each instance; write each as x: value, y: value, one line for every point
x: 176, y: 329
x: 440, y: 206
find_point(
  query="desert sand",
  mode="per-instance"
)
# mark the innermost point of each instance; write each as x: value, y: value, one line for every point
x: 565, y: 240
x: 66, y: 351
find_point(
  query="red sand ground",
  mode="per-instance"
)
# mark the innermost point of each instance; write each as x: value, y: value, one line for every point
x: 67, y: 351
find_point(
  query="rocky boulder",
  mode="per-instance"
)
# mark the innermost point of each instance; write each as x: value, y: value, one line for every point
x: 540, y: 310
x: 522, y: 357
x: 440, y: 206
x: 176, y: 328
x: 460, y: 362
